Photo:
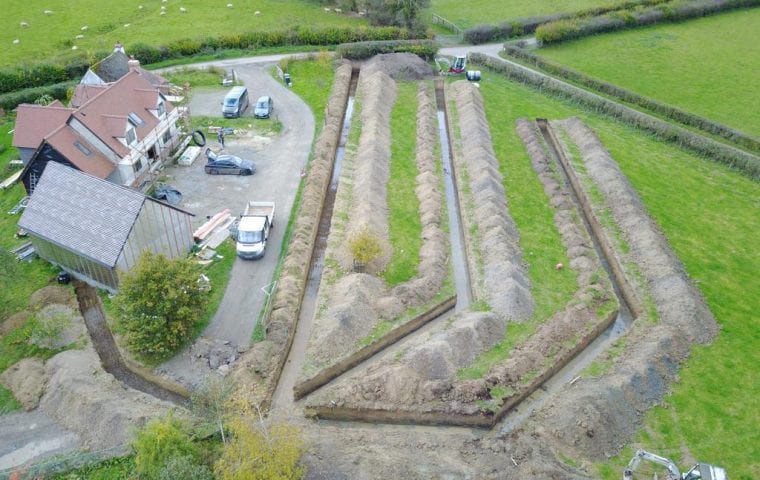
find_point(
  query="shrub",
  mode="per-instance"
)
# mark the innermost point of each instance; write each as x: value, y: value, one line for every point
x: 158, y: 442
x: 9, y: 101
x: 360, y: 50
x: 184, y: 468
x: 158, y: 303
x: 745, y: 162
x: 676, y: 114
x: 364, y: 246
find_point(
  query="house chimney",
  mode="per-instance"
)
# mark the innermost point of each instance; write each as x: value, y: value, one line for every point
x: 134, y: 64
x: 118, y: 47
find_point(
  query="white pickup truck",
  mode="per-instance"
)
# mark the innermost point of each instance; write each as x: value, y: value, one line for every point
x: 251, y: 230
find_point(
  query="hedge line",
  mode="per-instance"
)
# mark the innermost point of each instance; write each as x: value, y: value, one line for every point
x: 745, y: 162
x: 59, y: 91
x: 17, y: 78
x: 426, y: 49
x: 523, y: 26
x: 673, y: 113
x: 573, y: 28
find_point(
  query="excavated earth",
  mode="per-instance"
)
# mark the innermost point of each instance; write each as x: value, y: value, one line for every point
x: 352, y: 305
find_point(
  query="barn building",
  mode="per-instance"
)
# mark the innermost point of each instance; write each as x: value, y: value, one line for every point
x: 95, y: 229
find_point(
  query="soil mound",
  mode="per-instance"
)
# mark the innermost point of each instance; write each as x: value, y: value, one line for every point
x: 26, y: 379
x: 13, y: 322
x: 399, y: 66
x: 504, y: 282
x: 53, y: 294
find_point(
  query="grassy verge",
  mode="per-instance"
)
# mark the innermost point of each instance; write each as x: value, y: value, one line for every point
x: 404, y: 224
x: 705, y: 66
x: 710, y: 216
x: 219, y: 276
x: 260, y: 126
x: 210, y: 77
x: 54, y: 35
x: 315, y: 79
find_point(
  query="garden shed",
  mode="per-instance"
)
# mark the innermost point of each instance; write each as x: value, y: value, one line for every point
x: 94, y: 229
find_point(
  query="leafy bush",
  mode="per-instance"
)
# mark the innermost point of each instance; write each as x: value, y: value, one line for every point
x: 745, y: 162
x: 675, y: 114
x: 364, y: 246
x: 583, y: 26
x: 184, y: 468
x: 157, y: 443
x: 59, y: 91
x: 360, y: 50
x: 158, y: 303
x: 19, y: 78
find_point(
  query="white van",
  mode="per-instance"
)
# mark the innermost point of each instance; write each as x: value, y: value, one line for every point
x: 235, y: 102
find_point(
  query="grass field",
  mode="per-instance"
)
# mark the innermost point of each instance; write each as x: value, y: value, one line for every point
x: 404, y: 225
x: 55, y: 34
x: 476, y: 12
x: 707, y: 66
x: 711, y: 217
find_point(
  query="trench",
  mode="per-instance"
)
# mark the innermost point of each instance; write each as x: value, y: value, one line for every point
x: 283, y: 398
x: 110, y: 358
x: 629, y: 308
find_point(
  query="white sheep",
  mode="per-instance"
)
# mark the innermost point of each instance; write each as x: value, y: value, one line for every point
x: 48, y: 12
x: 163, y: 8
x: 24, y: 24
x: 126, y: 25
x: 338, y: 10
x: 229, y: 5
x: 257, y: 12
x: 163, y: 13
x: 74, y: 47
x: 16, y: 42
x: 139, y: 7
x: 327, y: 9
x: 84, y: 29
x: 182, y: 9
x: 79, y: 37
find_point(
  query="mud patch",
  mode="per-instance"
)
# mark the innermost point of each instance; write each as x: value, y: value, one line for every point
x: 399, y: 66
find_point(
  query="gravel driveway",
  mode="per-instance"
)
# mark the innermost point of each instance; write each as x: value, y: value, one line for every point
x: 279, y: 160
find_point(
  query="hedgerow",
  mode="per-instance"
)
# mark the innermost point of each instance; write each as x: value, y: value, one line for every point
x: 739, y: 138
x: 21, y: 77
x: 359, y: 50
x: 524, y: 26
x: 738, y: 159
x: 59, y: 91
x: 570, y: 28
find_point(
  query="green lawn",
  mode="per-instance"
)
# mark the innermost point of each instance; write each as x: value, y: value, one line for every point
x: 404, y: 225
x: 52, y: 35
x: 711, y: 216
x: 476, y: 12
x: 707, y: 66
x: 312, y: 81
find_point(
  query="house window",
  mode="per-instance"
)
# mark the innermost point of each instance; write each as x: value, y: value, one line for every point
x: 161, y: 109
x: 87, y: 152
x: 137, y: 166
x: 131, y: 136
x: 167, y: 137
x: 135, y: 118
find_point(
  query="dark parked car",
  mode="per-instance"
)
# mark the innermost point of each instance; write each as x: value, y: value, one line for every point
x: 228, y: 165
x: 264, y: 107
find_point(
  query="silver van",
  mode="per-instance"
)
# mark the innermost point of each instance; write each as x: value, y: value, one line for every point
x: 235, y: 102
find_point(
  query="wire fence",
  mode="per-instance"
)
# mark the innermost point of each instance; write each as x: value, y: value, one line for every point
x: 439, y: 20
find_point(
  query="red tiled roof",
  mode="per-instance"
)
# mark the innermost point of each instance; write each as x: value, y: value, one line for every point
x: 34, y: 122
x: 64, y: 140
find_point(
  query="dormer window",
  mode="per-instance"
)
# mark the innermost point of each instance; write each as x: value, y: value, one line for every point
x: 136, y: 120
x: 161, y: 110
x: 131, y: 136
x: 87, y: 152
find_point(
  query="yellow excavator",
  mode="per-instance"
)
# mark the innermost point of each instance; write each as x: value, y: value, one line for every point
x: 700, y: 471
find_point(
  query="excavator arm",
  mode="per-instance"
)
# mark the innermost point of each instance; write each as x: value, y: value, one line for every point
x: 673, y: 472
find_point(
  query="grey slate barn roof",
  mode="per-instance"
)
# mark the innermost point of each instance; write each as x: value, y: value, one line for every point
x: 82, y: 213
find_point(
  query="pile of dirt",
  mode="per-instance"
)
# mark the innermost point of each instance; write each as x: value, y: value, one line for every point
x: 399, y: 66
x: 504, y: 282
x: 15, y: 321
x: 58, y: 326
x: 53, y: 294
x: 286, y: 302
x: 74, y: 390
x: 597, y: 416
x: 369, y: 209
x: 26, y: 379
